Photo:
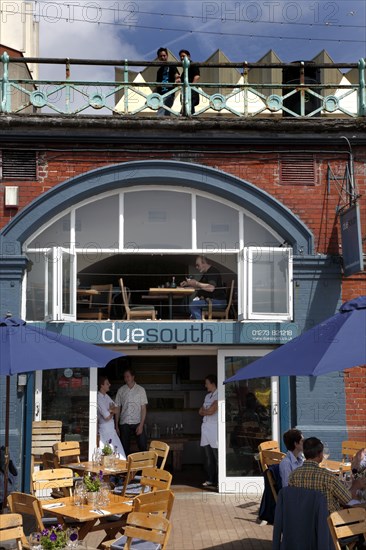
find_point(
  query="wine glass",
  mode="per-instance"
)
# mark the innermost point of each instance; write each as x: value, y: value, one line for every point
x: 326, y: 451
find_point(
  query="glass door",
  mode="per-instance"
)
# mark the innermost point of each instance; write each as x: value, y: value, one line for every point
x: 69, y: 395
x: 248, y: 415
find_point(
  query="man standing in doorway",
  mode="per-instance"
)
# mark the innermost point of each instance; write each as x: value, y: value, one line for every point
x: 130, y: 416
x: 166, y: 74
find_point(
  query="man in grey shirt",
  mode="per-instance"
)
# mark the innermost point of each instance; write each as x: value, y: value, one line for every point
x: 130, y: 417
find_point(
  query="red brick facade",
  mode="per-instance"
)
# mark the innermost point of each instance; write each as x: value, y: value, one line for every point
x: 259, y: 165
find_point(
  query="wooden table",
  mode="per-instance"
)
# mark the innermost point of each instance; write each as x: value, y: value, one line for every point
x: 336, y: 466
x: 120, y: 467
x: 90, y: 521
x: 171, y: 292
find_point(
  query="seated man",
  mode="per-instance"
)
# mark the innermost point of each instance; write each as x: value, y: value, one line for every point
x: 311, y: 476
x: 293, y: 439
x: 209, y: 286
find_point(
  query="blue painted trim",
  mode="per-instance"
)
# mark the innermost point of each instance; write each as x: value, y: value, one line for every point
x: 285, y: 407
x: 29, y: 399
x: 156, y: 172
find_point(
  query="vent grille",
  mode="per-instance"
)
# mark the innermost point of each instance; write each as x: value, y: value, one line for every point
x: 297, y: 170
x: 20, y: 165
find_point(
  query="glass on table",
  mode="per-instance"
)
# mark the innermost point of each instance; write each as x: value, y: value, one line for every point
x: 326, y: 451
x: 34, y: 540
x: 79, y: 493
x: 72, y: 537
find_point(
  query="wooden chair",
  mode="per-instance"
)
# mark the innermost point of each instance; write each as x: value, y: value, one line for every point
x: 24, y: 504
x: 145, y: 527
x: 162, y: 450
x: 136, y: 312
x: 267, y: 458
x: 345, y: 527
x: 66, y: 452
x: 136, y: 462
x: 350, y: 448
x: 56, y: 482
x: 211, y: 313
x: 100, y: 305
x: 49, y: 461
x: 152, y: 479
x: 266, y: 446
x: 11, y: 528
x: 45, y: 433
x: 272, y: 483
x: 159, y: 502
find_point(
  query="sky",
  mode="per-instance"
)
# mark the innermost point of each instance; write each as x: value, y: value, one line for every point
x: 243, y: 30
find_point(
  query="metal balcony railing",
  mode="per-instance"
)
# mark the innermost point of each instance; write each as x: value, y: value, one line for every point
x: 297, y: 94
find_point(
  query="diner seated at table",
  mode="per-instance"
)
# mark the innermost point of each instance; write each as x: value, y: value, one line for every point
x: 358, y: 464
x: 293, y: 440
x: 311, y: 476
x: 209, y: 286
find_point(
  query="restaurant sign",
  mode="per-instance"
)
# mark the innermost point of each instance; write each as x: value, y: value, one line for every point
x: 170, y: 333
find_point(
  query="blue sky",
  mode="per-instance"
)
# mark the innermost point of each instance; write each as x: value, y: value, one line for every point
x: 244, y: 30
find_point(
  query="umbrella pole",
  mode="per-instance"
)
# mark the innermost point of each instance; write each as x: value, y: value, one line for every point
x: 7, y: 422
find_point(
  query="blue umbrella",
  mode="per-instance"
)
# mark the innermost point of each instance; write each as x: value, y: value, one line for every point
x: 336, y: 344
x: 26, y: 348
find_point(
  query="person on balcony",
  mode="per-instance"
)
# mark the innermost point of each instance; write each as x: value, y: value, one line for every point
x: 193, y: 78
x: 209, y: 286
x: 166, y: 74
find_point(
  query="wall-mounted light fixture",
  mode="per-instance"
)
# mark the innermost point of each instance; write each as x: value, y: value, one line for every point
x: 11, y: 197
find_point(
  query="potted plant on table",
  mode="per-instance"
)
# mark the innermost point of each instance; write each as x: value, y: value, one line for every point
x: 107, y: 453
x: 93, y: 483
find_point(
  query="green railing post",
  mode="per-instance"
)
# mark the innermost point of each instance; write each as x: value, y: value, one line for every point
x: 68, y: 91
x: 5, y: 88
x: 186, y: 88
x: 125, y: 88
x: 361, y: 89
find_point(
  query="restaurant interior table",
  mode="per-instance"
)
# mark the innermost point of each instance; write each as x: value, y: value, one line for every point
x: 119, y: 467
x: 171, y: 292
x: 90, y: 517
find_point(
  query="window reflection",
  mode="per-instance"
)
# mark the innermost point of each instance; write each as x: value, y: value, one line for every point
x: 248, y: 419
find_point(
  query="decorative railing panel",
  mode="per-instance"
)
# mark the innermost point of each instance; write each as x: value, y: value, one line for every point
x: 302, y: 98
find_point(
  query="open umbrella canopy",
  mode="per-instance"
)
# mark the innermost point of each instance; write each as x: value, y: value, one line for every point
x: 26, y: 348
x: 336, y: 344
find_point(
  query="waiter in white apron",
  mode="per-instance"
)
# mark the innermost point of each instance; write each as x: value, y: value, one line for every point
x: 209, y: 412
x: 106, y: 412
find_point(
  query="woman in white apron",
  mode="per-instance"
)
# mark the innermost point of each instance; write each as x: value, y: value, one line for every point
x: 106, y: 411
x: 209, y: 412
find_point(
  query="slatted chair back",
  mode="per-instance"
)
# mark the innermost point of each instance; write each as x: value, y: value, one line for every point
x: 148, y: 527
x: 156, y: 502
x: 162, y: 450
x: 347, y: 525
x: 136, y: 462
x: 45, y: 433
x: 155, y: 479
x: 66, y: 452
x: 266, y: 446
x: 58, y: 481
x: 24, y: 504
x: 267, y: 458
x: 350, y: 448
x: 11, y: 528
